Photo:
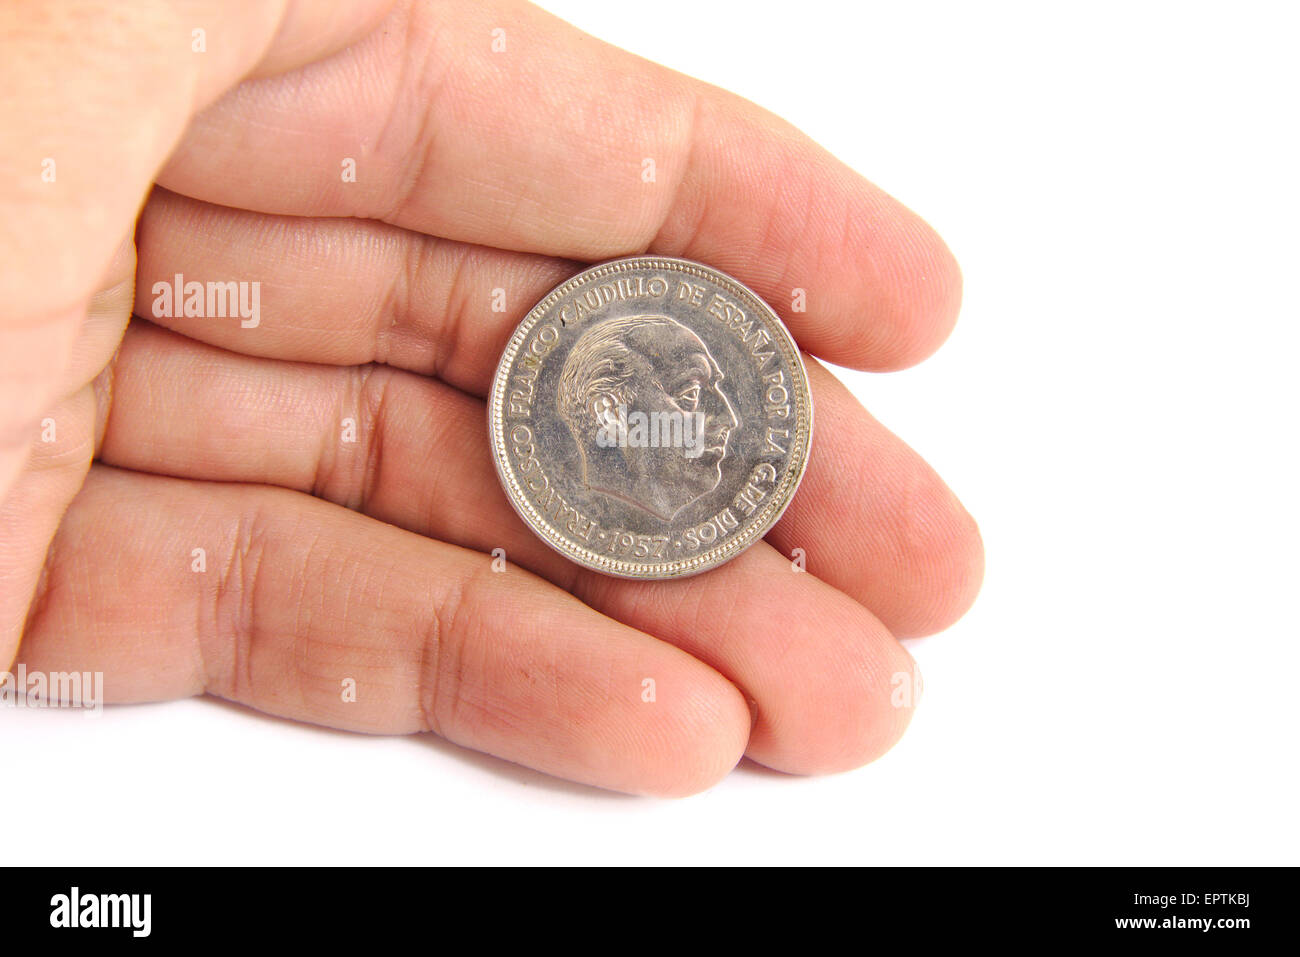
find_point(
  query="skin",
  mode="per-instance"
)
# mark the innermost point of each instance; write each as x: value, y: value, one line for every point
x: 370, y: 560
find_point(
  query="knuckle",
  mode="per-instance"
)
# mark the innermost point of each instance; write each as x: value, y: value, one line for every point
x: 440, y: 665
x: 226, y: 646
x: 347, y: 472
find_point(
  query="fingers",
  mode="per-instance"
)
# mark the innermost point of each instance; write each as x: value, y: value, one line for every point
x: 818, y: 664
x: 343, y: 291
x: 558, y: 144
x: 874, y: 520
x: 83, y: 129
x: 822, y: 671
x: 302, y: 609
x: 43, y: 462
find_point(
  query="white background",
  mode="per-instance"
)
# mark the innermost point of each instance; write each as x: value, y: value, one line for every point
x: 1117, y: 407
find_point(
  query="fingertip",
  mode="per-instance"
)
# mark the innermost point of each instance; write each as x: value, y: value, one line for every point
x: 927, y: 299
x: 863, y: 713
x: 900, y: 543
x: 908, y: 295
x: 942, y: 545
x: 702, y: 732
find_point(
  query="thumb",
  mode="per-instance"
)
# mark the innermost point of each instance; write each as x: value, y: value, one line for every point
x: 96, y: 95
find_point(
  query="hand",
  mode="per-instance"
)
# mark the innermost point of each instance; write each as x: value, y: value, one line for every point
x: 294, y: 508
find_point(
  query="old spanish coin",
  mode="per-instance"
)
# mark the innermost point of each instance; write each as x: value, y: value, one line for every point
x: 650, y: 418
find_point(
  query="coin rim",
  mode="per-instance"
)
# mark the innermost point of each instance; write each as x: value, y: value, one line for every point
x: 622, y: 568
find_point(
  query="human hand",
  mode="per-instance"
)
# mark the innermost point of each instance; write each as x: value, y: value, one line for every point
x: 230, y: 538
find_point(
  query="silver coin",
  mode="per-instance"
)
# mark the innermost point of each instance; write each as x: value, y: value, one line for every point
x: 650, y: 418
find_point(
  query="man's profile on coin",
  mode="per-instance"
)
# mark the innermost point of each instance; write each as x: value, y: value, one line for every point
x: 642, y: 397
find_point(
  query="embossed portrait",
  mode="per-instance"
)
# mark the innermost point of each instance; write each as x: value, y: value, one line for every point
x: 642, y: 397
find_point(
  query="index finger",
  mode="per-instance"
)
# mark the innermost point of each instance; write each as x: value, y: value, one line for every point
x: 496, y: 123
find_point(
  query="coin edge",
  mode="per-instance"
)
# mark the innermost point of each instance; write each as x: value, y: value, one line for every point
x: 607, y: 565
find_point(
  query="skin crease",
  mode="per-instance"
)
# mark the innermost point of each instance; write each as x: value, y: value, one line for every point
x: 370, y: 560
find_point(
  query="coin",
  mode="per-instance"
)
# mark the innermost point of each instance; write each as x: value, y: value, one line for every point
x: 650, y: 418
